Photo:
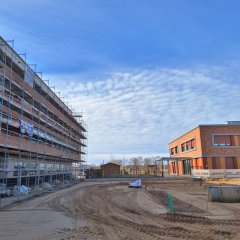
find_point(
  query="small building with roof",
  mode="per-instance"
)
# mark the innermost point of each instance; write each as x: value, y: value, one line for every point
x: 111, y: 170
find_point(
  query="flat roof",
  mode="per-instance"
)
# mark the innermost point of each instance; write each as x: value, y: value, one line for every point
x: 216, y: 125
x: 184, y: 134
x: 206, y: 125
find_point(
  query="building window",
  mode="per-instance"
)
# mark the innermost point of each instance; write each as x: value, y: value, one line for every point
x: 174, y: 150
x: 193, y: 143
x: 226, y: 140
x: 222, y: 140
x: 183, y: 147
x: 189, y: 145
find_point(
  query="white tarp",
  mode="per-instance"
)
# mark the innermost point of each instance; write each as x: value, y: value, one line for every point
x: 46, y: 186
x: 137, y: 183
x: 22, y: 190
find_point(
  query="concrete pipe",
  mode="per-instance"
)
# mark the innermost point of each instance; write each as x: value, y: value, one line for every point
x: 226, y: 194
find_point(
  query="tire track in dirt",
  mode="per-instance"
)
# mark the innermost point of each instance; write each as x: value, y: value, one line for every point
x: 112, y: 212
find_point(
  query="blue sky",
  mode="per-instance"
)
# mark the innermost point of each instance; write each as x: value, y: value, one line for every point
x: 143, y: 71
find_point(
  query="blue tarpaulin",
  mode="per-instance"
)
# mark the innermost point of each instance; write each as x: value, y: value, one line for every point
x: 136, y: 184
x: 26, y: 127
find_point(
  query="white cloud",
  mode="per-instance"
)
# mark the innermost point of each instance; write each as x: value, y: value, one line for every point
x: 141, y: 111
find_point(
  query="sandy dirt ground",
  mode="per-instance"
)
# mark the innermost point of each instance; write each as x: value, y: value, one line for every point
x: 112, y: 211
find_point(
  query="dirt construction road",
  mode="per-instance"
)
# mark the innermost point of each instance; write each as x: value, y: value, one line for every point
x: 100, y: 211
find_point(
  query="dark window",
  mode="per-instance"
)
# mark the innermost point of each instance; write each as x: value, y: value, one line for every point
x: 222, y: 140
x: 189, y: 145
x: 193, y: 144
x: 183, y: 147
x: 176, y: 150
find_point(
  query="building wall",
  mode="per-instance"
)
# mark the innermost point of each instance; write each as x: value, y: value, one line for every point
x: 94, y: 173
x: 208, y: 149
x: 193, y: 134
x: 208, y: 155
x: 221, y: 157
x: 110, y: 170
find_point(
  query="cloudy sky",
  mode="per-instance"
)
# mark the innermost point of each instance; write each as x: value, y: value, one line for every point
x: 142, y: 71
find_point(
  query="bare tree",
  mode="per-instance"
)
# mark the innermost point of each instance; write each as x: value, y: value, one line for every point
x: 135, y: 163
x: 147, y: 161
x: 120, y: 162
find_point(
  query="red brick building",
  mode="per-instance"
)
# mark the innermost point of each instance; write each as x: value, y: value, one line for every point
x: 110, y: 170
x: 206, y: 147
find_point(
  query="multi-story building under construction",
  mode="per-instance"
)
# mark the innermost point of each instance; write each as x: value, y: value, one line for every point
x: 41, y: 137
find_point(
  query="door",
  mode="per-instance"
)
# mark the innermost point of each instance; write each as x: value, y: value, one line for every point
x: 187, y: 167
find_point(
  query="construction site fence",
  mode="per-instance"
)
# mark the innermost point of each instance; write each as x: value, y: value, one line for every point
x: 216, y: 173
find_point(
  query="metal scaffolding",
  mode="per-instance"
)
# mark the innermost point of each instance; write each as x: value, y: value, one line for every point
x: 40, y: 136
